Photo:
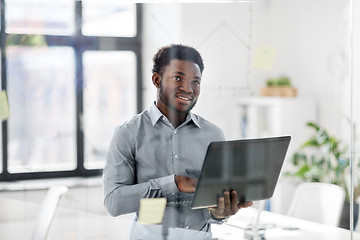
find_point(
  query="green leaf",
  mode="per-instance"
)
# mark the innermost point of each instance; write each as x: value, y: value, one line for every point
x: 283, y: 81
x: 271, y: 82
x: 313, y: 142
x: 298, y: 158
x: 313, y: 125
x: 302, y: 171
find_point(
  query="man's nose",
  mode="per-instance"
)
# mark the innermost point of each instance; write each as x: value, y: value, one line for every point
x: 186, y: 87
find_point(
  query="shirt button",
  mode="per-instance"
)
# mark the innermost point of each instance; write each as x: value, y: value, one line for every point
x: 176, y: 156
x: 187, y: 227
x: 175, y: 131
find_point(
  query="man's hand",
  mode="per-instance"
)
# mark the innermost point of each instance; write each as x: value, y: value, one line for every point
x: 228, y: 205
x: 186, y: 184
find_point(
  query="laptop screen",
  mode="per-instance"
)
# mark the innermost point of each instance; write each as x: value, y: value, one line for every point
x: 249, y: 166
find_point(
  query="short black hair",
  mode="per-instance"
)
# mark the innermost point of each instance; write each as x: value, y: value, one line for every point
x: 176, y: 51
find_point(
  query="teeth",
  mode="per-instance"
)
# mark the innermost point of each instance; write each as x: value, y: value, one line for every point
x: 183, y: 98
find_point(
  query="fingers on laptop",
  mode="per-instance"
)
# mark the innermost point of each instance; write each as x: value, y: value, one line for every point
x: 246, y: 204
x: 227, y: 203
x: 234, y: 202
x: 217, y: 211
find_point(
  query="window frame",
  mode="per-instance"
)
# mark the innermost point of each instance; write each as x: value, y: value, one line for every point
x: 80, y: 44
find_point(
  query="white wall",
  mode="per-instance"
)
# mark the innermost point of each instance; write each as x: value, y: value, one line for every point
x: 311, y: 38
x: 219, y: 32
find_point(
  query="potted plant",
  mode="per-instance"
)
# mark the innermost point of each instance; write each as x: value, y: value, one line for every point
x: 322, y: 158
x: 280, y: 86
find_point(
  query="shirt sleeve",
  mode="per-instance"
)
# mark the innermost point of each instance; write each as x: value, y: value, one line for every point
x: 122, y: 192
x: 213, y: 220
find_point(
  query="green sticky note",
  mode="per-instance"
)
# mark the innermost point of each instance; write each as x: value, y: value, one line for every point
x: 264, y: 57
x: 4, y: 106
x: 152, y: 210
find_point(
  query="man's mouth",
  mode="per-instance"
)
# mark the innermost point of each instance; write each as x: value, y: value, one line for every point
x: 184, y: 99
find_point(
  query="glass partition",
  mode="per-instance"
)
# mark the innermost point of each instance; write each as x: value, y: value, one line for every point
x: 354, y: 113
x: 275, y: 68
x: 272, y: 68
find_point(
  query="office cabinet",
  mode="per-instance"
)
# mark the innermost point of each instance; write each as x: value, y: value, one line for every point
x: 277, y: 116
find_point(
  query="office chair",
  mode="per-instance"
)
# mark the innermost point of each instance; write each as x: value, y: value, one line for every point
x: 318, y: 202
x: 357, y: 227
x: 47, y: 211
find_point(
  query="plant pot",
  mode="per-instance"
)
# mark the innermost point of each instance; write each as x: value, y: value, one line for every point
x: 279, y: 91
x: 345, y: 215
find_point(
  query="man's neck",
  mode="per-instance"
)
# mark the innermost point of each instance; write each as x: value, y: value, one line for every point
x: 175, y: 118
x: 177, y: 121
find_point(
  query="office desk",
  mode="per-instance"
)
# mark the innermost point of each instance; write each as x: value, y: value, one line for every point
x: 280, y: 227
x: 18, y: 221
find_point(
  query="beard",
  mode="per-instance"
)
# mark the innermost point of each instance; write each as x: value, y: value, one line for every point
x: 164, y: 98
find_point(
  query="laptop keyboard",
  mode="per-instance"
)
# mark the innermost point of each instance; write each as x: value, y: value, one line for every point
x: 180, y: 200
x: 180, y: 203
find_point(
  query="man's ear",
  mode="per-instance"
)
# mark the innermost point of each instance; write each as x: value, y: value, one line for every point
x: 156, y: 78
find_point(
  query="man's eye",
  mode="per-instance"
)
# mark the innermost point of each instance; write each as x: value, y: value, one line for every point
x: 196, y: 82
x: 177, y: 78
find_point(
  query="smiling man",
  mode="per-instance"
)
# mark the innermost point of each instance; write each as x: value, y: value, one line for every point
x: 155, y: 154
x: 178, y: 89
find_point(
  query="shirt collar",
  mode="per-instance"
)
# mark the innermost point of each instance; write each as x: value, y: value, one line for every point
x: 194, y: 119
x: 155, y: 115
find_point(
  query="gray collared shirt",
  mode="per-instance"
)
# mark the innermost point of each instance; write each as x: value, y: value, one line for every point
x: 146, y: 153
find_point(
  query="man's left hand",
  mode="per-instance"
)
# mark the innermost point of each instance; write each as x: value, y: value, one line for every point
x: 228, y: 205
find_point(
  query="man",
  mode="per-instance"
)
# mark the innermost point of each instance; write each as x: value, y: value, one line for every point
x: 154, y: 154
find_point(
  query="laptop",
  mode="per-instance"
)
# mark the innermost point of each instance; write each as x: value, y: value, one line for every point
x: 249, y: 166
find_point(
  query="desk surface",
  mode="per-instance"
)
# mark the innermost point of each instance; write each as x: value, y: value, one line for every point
x: 280, y: 227
x: 18, y: 221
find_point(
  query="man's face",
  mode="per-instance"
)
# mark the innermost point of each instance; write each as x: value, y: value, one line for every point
x: 179, y: 86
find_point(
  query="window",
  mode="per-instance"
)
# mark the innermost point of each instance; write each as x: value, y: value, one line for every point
x: 71, y: 73
x: 108, y: 99
x: 41, y: 129
x: 55, y: 17
x: 109, y: 18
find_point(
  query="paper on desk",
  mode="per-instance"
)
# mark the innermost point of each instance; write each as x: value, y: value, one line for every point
x: 4, y: 106
x: 264, y: 57
x: 152, y: 210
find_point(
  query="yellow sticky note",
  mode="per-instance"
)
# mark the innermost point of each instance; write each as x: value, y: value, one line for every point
x: 152, y: 210
x: 4, y: 106
x: 264, y: 57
